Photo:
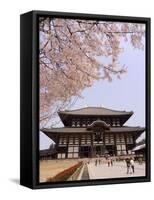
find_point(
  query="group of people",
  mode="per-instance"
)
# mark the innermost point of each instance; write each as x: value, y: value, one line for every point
x: 97, y: 161
x: 109, y: 161
x: 130, y: 165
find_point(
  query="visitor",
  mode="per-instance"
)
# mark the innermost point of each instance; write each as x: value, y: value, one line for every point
x: 132, y: 165
x: 128, y: 165
x: 140, y: 161
x: 108, y: 162
x: 111, y: 162
x: 96, y: 162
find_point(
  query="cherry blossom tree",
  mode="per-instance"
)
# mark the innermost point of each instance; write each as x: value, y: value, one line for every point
x: 69, y: 57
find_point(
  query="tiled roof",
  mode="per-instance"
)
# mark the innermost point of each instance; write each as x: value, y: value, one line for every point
x: 95, y: 111
x: 84, y: 129
x: 139, y: 147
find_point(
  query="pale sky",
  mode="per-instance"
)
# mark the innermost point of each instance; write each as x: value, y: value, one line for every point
x: 127, y: 94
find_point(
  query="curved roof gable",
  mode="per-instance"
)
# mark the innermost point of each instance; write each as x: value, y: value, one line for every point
x: 95, y: 111
x: 98, y: 124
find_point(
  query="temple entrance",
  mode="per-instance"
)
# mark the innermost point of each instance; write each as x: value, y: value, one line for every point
x: 99, y: 150
x: 110, y: 149
x: 85, y: 152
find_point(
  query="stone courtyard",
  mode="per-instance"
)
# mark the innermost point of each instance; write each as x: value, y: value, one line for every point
x: 118, y: 170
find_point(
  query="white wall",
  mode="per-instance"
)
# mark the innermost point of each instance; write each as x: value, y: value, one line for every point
x: 9, y: 99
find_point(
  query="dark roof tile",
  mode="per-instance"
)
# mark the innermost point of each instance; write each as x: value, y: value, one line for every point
x: 81, y: 130
x: 95, y: 111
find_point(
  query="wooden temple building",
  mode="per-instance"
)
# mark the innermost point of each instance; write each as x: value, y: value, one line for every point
x: 93, y: 131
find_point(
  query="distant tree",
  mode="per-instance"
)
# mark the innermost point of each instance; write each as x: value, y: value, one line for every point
x: 69, y: 57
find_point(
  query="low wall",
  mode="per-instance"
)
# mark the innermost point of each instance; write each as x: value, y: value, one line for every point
x: 76, y: 174
x: 66, y: 174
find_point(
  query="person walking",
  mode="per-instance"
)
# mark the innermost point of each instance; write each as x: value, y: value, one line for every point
x: 109, y: 162
x: 128, y: 165
x: 132, y: 165
x: 96, y: 162
x: 140, y: 161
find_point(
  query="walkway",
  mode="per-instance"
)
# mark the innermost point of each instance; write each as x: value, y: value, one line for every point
x: 116, y: 171
x: 85, y: 174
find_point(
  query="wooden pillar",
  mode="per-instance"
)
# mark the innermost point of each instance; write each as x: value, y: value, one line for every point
x: 57, y: 144
x: 92, y: 147
x: 134, y: 144
x: 104, y: 139
x: 102, y: 143
x: 115, y: 145
x: 125, y: 137
x: 79, y: 144
x: 67, y: 143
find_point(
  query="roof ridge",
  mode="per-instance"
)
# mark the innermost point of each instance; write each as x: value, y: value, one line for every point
x: 96, y: 108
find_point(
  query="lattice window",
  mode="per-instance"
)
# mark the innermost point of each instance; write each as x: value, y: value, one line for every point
x: 71, y: 140
x: 75, y: 155
x: 61, y: 155
x: 88, y: 139
x: 73, y: 152
x: 83, y: 139
x: 62, y: 140
x: 120, y: 138
x: 72, y: 149
x: 111, y: 139
x: 121, y: 149
x: 129, y: 139
x: 76, y: 149
x: 70, y: 155
x: 76, y: 140
x: 106, y: 139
